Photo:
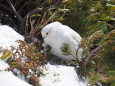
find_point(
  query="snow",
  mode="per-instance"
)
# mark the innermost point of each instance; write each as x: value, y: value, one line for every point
x: 11, y: 79
x: 7, y: 78
x: 56, y: 35
x: 3, y: 65
x: 55, y: 75
x: 59, y: 75
x: 8, y: 36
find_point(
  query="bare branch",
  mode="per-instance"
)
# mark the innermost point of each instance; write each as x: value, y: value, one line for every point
x: 17, y: 2
x: 24, y: 6
x: 5, y: 7
x: 21, y: 21
x: 37, y: 9
x: 94, y: 53
x: 14, y: 10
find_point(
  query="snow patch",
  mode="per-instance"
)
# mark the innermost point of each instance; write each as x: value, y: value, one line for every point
x: 8, y: 36
x: 58, y: 75
x: 7, y: 78
x: 3, y: 65
x: 55, y: 75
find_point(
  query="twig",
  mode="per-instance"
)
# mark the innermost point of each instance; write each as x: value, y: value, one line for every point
x: 26, y: 25
x: 14, y: 10
x: 94, y: 52
x: 24, y: 6
x: 21, y: 21
x: 36, y: 10
x: 47, y: 21
x: 17, y: 2
x: 5, y: 8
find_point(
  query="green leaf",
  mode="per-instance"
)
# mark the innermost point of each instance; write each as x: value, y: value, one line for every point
x: 111, y: 5
x: 66, y: 50
x: 113, y: 84
x: 35, y: 15
x: 49, y: 1
x: 58, y: 18
x: 6, y: 55
x: 62, y: 10
x: 111, y: 72
x: 94, y: 78
x: 108, y: 18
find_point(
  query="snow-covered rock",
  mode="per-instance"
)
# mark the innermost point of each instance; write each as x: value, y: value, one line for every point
x: 58, y: 75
